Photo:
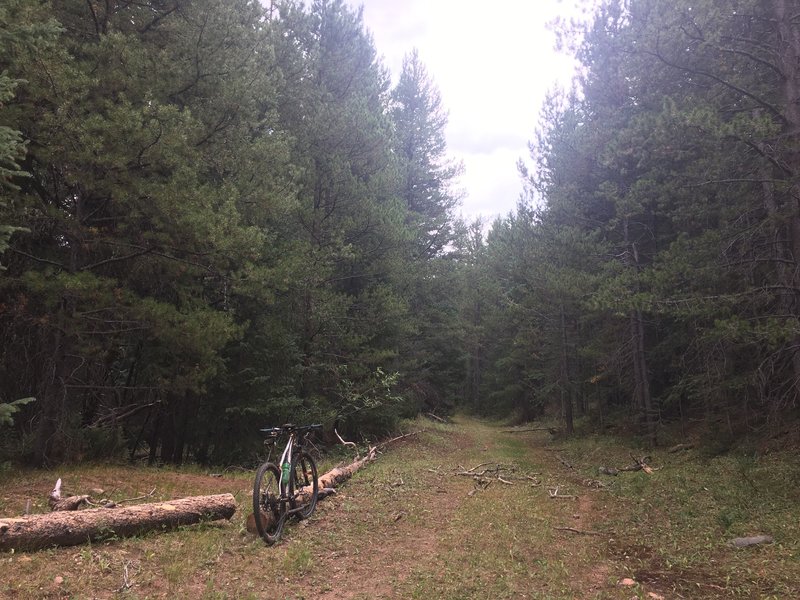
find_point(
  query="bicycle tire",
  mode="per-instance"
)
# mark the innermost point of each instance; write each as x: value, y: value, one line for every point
x: 303, y: 476
x: 266, y: 499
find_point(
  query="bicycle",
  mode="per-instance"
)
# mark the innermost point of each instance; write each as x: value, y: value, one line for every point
x: 291, y: 489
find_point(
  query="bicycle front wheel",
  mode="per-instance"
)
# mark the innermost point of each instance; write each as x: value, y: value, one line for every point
x: 303, y: 485
x: 268, y: 508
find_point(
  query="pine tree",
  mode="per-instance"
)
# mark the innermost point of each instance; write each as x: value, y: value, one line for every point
x: 427, y: 175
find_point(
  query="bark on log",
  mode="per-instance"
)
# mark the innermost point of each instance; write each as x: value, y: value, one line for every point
x: 34, y: 532
x: 339, y: 474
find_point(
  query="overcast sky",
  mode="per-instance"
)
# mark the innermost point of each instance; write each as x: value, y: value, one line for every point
x: 493, y: 63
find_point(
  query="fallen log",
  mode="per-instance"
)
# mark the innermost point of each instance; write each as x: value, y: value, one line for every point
x: 550, y: 430
x: 69, y: 528
x: 680, y: 447
x: 754, y: 540
x: 578, y: 531
x: 437, y: 418
x: 639, y: 464
x: 339, y: 474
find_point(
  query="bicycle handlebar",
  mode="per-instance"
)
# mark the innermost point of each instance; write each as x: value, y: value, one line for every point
x: 289, y: 428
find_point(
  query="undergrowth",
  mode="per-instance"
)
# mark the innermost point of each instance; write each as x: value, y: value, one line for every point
x: 673, y: 527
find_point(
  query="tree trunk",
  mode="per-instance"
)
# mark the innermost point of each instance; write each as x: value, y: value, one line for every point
x: 789, y: 67
x: 642, y: 395
x: 48, y: 449
x: 34, y: 532
x: 566, y: 386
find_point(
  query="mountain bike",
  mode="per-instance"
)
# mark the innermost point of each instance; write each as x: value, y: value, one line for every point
x: 290, y: 489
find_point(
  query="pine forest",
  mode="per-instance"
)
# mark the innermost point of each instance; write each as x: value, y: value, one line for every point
x: 222, y: 215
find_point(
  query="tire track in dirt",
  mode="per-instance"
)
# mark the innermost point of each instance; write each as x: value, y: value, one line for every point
x: 602, y: 577
x: 396, y: 545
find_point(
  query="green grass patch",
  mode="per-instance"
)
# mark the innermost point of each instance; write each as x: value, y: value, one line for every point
x: 406, y: 526
x: 674, y: 526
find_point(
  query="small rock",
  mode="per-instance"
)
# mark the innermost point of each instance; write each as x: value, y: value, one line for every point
x: 627, y: 582
x: 58, y: 580
x: 97, y: 491
x: 655, y: 596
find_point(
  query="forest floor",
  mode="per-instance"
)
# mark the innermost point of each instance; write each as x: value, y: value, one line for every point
x: 408, y: 526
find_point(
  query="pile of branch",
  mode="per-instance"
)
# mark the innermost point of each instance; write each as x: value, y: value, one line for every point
x: 486, y: 473
x: 57, y: 503
x: 639, y: 464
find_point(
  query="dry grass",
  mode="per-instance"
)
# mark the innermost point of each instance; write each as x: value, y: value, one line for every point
x: 406, y: 527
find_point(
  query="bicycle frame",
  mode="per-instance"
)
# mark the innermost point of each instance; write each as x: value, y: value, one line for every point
x: 296, y: 437
x: 286, y: 460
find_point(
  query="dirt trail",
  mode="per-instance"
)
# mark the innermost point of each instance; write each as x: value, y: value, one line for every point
x: 434, y: 538
x: 404, y: 527
x: 387, y: 554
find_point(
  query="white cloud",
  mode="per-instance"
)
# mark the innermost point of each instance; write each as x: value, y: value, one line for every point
x: 493, y: 64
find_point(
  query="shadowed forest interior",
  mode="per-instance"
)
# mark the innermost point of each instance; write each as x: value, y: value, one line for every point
x: 221, y: 215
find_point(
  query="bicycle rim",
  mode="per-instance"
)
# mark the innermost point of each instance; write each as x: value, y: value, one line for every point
x: 303, y: 485
x: 268, y: 509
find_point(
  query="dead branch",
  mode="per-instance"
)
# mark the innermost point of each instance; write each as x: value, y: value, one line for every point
x: 639, y: 464
x: 147, y: 495
x: 353, y: 444
x: 579, y: 531
x: 437, y: 418
x: 383, y: 445
x: 679, y: 448
x: 489, y: 472
x: 553, y: 492
x: 480, y: 484
x: 473, y: 469
x: 642, y: 462
x: 564, y: 462
x: 57, y: 503
x: 120, y: 414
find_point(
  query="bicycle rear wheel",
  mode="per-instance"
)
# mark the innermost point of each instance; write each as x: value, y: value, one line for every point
x: 268, y: 509
x: 303, y: 485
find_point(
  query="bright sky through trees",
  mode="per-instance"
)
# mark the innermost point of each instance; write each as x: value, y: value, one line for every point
x: 493, y: 64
